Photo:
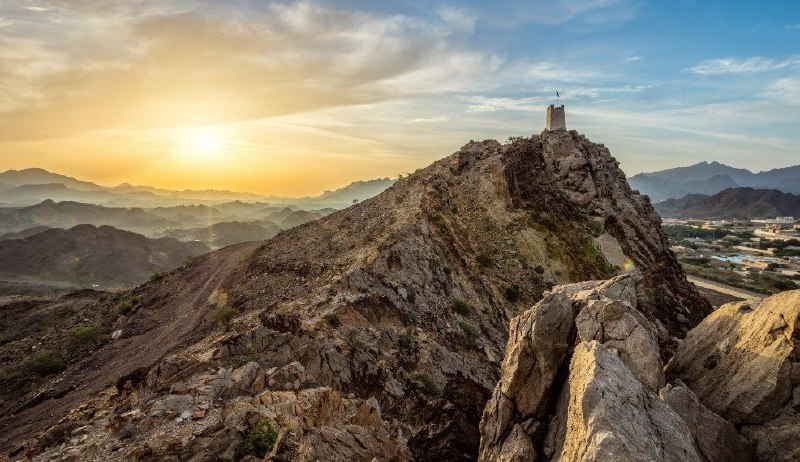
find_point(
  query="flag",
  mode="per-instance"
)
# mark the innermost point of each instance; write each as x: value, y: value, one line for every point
x: 557, y: 94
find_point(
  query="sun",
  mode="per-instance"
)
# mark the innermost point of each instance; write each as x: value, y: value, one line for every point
x: 204, y: 142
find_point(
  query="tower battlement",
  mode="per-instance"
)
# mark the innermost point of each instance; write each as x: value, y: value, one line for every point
x: 555, y: 118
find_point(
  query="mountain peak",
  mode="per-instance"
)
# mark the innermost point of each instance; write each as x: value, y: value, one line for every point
x: 422, y: 280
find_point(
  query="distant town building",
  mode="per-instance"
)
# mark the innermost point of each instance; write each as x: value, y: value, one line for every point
x: 555, y: 118
x: 778, y: 222
x: 776, y: 234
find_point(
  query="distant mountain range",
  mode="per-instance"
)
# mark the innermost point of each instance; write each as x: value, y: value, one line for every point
x: 90, y: 256
x: 33, y: 185
x: 711, y: 178
x: 732, y: 203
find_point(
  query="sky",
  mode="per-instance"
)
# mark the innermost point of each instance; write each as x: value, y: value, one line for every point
x: 296, y: 97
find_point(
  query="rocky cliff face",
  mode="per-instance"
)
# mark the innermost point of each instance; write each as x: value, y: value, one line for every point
x: 582, y: 379
x: 743, y: 361
x: 379, y: 331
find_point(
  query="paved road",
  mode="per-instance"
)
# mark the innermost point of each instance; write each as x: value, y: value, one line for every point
x: 722, y: 288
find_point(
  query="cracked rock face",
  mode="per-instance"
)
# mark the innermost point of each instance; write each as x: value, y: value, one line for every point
x: 583, y: 380
x: 605, y: 413
x: 743, y: 362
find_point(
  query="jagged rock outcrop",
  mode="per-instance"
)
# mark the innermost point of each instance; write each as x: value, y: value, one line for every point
x: 348, y: 328
x: 607, y: 414
x: 715, y: 437
x: 583, y: 380
x: 743, y: 362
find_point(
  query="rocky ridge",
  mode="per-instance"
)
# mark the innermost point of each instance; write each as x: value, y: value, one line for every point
x: 348, y: 328
x: 582, y: 379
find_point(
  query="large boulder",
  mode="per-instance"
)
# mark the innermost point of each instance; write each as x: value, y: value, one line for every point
x: 605, y: 413
x: 716, y: 439
x: 739, y: 360
x: 742, y: 362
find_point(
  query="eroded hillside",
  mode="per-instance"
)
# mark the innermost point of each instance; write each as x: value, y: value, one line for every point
x: 349, y: 328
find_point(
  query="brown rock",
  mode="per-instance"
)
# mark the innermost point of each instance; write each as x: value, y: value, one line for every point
x: 715, y: 438
x: 737, y: 359
x: 617, y: 325
x: 607, y: 414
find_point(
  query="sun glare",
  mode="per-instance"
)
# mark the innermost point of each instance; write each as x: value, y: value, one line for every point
x: 203, y: 142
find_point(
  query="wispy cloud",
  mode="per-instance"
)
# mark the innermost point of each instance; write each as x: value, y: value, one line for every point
x: 793, y: 26
x: 488, y: 104
x: 557, y: 12
x: 786, y: 90
x: 743, y: 65
x: 429, y: 120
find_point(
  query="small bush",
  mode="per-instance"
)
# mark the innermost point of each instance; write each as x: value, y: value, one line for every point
x: 224, y: 317
x: 86, y: 334
x: 470, y: 332
x: 461, y: 307
x: 512, y: 293
x: 429, y: 387
x: 124, y: 307
x: 45, y: 363
x: 484, y: 259
x: 156, y: 276
x: 258, y: 441
x: 405, y: 341
x: 333, y: 319
x: 135, y: 299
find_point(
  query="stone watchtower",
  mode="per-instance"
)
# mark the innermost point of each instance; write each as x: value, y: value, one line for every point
x: 555, y: 118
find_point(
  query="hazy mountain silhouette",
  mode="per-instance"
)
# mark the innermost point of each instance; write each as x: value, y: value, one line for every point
x: 33, y: 185
x: 89, y: 256
x: 732, y: 203
x: 711, y: 178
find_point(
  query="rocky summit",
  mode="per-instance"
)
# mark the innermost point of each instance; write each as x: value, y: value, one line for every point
x: 400, y: 328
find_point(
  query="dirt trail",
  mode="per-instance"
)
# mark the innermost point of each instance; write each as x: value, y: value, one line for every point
x: 120, y: 357
x: 728, y: 290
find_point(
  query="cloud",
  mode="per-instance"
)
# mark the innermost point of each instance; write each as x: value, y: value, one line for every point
x: 793, y: 26
x: 557, y: 12
x: 162, y: 64
x: 429, y: 120
x: 743, y: 65
x: 786, y: 90
x: 488, y: 104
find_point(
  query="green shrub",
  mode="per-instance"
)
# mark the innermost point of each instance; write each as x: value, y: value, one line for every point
x: 45, y: 363
x: 124, y: 307
x: 156, y: 276
x: 512, y: 293
x: 429, y: 387
x: 461, y: 307
x: 333, y: 319
x: 224, y: 317
x: 86, y: 334
x: 484, y: 259
x: 470, y: 332
x: 258, y: 441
